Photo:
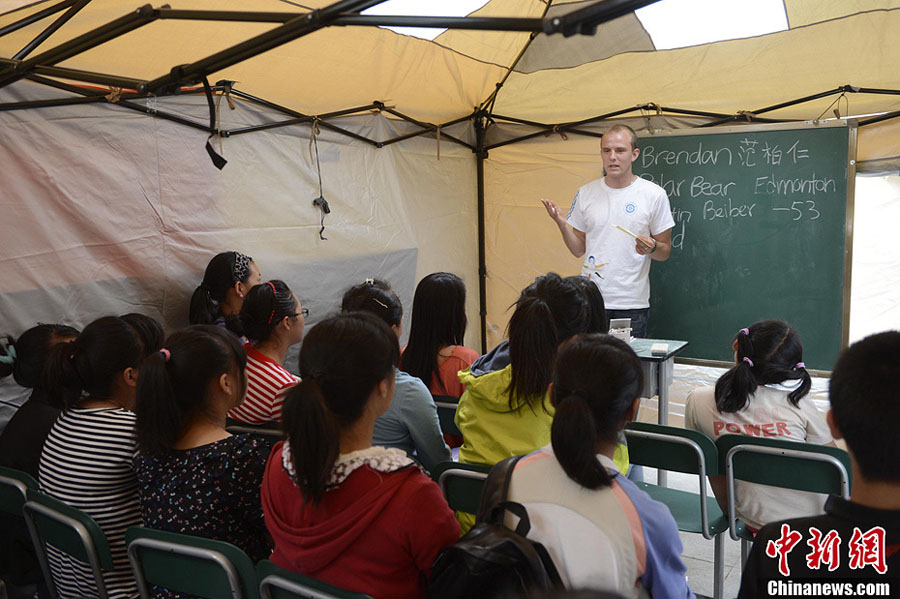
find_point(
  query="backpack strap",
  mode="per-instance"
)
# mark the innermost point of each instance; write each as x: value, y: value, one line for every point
x: 496, y: 489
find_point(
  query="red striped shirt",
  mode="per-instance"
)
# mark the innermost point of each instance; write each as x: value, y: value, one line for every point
x: 267, y: 384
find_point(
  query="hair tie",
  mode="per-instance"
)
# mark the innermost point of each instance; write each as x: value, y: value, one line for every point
x: 166, y: 354
x: 748, y: 361
x: 10, y: 357
x: 745, y: 331
x: 274, y: 299
x: 799, y: 365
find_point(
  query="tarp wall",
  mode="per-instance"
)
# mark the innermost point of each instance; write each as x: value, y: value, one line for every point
x: 108, y: 211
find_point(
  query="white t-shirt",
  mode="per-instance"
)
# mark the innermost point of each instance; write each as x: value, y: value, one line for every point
x: 609, y: 259
x: 769, y: 413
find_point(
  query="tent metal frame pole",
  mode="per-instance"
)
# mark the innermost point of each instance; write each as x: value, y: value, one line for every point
x: 65, y: 86
x: 34, y: 18
x: 880, y: 118
x: 89, y: 77
x: 165, y: 115
x: 51, y: 29
x: 118, y: 27
x: 427, y: 127
x: 294, y: 29
x: 480, y: 155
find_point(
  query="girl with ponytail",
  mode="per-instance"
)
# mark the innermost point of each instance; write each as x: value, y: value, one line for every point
x: 194, y: 476
x: 86, y: 460
x: 359, y: 517
x: 227, y: 279
x: 582, y: 509
x: 273, y: 320
x: 762, y: 396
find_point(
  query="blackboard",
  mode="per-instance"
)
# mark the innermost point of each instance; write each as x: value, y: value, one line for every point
x: 761, y: 231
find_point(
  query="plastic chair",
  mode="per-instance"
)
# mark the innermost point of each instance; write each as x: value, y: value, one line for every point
x: 779, y: 463
x: 14, y: 485
x: 690, y: 452
x: 461, y: 484
x: 269, y: 429
x: 278, y: 583
x: 446, y: 408
x: 189, y: 564
x: 70, y: 531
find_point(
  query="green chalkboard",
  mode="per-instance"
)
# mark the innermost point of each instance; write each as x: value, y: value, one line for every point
x: 760, y: 232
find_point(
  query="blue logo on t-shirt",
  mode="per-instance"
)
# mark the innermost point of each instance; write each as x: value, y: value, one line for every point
x: 630, y: 208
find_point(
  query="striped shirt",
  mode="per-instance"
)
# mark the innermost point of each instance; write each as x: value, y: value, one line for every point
x: 267, y: 384
x: 87, y: 462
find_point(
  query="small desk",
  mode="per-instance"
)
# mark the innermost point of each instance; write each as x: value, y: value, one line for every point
x: 658, y: 371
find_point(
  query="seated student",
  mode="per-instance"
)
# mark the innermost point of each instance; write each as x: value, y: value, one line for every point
x: 272, y: 319
x: 21, y: 443
x: 193, y: 476
x: 762, y: 395
x: 411, y: 421
x: 435, y: 352
x: 359, y: 517
x: 855, y: 540
x: 601, y: 530
x: 87, y: 457
x: 503, y: 411
x: 228, y: 278
x: 23, y: 438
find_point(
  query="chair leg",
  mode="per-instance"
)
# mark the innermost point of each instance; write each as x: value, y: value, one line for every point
x: 745, y: 551
x: 719, y: 567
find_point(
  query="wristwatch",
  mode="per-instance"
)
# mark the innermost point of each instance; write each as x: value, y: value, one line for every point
x: 655, y: 243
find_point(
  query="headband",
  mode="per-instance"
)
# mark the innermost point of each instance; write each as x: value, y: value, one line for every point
x: 241, y: 266
x: 274, y: 299
x: 748, y: 361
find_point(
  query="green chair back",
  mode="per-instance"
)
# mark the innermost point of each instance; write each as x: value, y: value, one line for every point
x: 787, y: 464
x: 671, y: 448
x: 779, y: 463
x: 188, y: 564
x: 461, y: 484
x: 69, y: 530
x: 446, y: 408
x: 278, y: 583
x: 269, y: 429
x: 14, y: 485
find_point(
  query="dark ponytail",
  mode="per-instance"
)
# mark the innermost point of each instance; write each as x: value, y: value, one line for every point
x: 438, y: 320
x: 768, y: 352
x: 221, y: 274
x: 28, y: 354
x: 598, y: 321
x: 342, y: 359
x: 374, y: 296
x: 548, y: 311
x: 596, y: 379
x: 89, y: 364
x: 265, y: 306
x: 174, y: 383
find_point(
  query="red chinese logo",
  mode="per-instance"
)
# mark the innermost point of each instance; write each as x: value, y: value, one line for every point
x: 782, y: 546
x: 867, y: 549
x: 823, y: 550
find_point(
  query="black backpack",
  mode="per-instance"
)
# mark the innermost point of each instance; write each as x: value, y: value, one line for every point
x: 491, y: 560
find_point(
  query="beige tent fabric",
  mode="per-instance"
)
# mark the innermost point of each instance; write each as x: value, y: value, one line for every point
x: 805, y: 12
x: 625, y: 34
x: 725, y: 76
x: 496, y: 47
x: 328, y: 70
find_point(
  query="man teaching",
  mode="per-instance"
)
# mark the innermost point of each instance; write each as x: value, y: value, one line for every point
x: 617, y: 263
